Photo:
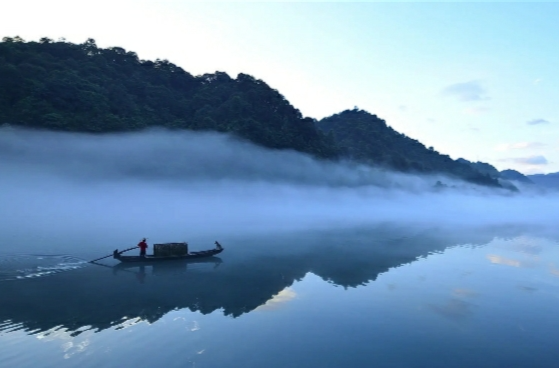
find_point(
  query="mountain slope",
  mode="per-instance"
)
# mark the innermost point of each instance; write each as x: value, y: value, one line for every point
x: 83, y: 88
x: 515, y: 175
x: 366, y: 138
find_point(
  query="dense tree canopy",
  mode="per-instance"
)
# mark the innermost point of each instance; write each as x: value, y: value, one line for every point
x: 64, y: 86
x: 366, y: 138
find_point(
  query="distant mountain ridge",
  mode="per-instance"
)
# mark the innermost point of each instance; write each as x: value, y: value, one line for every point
x: 504, y: 177
x: 83, y: 88
x: 515, y: 176
x: 546, y: 180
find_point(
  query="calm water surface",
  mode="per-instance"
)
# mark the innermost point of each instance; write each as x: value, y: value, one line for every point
x: 386, y: 296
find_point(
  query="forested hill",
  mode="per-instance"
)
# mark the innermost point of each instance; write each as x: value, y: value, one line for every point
x: 366, y: 138
x: 505, y: 175
x: 83, y: 88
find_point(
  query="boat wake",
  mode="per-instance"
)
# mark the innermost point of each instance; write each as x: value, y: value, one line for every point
x: 29, y: 266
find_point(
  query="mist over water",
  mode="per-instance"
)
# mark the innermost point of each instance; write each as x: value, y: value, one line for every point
x: 185, y: 156
x: 171, y: 185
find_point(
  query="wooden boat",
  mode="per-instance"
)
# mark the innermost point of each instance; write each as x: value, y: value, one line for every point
x: 169, y: 252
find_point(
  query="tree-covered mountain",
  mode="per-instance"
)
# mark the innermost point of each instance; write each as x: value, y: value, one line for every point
x: 366, y: 138
x: 504, y: 177
x: 515, y: 176
x: 83, y: 88
x: 482, y: 167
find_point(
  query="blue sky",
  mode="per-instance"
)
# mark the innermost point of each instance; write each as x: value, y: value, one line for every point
x: 473, y: 80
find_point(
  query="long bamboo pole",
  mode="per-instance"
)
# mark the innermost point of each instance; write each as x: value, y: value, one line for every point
x: 110, y: 255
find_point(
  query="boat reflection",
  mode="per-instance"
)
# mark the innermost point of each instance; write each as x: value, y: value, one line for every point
x: 156, y: 268
x: 142, y: 270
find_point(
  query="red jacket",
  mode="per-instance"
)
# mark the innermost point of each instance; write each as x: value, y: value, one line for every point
x: 143, y: 245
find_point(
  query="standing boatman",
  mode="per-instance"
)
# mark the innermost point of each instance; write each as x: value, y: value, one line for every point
x: 143, y: 246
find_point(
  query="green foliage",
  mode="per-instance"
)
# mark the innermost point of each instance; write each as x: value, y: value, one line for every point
x: 515, y: 175
x: 368, y: 139
x: 63, y: 86
x: 482, y: 167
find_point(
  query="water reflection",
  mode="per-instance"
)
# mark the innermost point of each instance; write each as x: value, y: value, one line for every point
x: 493, y: 258
x: 454, y: 309
x: 248, y: 277
x: 278, y: 300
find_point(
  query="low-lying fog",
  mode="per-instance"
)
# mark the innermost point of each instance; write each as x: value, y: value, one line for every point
x: 168, y: 185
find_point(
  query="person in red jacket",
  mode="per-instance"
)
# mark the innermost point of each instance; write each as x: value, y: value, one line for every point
x: 143, y: 246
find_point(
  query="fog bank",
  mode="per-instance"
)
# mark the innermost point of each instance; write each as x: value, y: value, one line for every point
x: 171, y: 185
x: 189, y: 156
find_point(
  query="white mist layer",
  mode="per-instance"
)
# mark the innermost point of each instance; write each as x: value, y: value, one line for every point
x: 170, y: 185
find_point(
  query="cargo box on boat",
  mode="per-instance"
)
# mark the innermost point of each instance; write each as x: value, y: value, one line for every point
x: 170, y: 249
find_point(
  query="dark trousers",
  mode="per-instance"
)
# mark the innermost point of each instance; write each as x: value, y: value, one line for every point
x: 142, y: 252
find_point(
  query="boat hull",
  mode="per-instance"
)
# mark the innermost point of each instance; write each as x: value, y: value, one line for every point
x: 149, y: 259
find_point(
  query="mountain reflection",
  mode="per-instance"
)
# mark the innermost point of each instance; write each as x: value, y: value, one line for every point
x: 250, y: 274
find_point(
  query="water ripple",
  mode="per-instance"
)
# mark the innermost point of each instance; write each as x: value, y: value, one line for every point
x: 28, y: 266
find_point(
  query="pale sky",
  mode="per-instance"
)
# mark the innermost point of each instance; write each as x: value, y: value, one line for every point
x: 473, y: 80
